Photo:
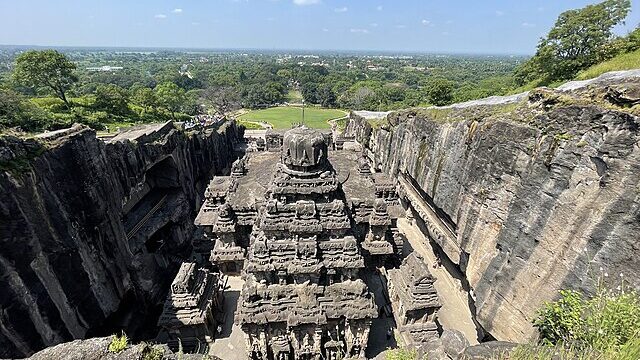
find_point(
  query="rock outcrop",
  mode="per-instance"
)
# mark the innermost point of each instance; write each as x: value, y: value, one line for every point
x: 539, y: 192
x: 98, y: 349
x: 92, y: 232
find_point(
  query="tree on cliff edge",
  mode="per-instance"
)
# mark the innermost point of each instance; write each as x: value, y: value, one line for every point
x: 580, y: 38
x: 49, y: 69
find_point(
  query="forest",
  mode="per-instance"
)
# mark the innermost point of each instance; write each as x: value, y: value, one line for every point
x: 45, y: 89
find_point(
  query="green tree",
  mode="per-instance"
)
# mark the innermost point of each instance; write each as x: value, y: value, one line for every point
x: 326, y: 96
x: 579, y: 39
x: 17, y: 111
x: 170, y: 97
x: 439, y: 92
x: 221, y: 99
x: 145, y: 98
x: 112, y: 98
x: 47, y: 68
x: 310, y: 93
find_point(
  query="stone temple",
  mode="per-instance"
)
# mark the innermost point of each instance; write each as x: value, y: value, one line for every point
x: 301, y: 221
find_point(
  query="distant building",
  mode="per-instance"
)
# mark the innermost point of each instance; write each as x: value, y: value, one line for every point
x: 105, y: 68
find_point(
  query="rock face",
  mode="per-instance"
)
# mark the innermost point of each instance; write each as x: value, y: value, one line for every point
x: 539, y: 192
x: 92, y: 232
x: 98, y: 349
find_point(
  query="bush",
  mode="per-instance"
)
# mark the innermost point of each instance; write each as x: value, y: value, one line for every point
x: 401, y: 354
x: 152, y: 353
x: 608, y: 321
x: 118, y: 343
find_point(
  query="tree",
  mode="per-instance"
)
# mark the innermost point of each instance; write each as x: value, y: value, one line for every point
x: 363, y: 98
x: 326, y: 96
x: 112, y: 98
x: 579, y: 39
x: 145, y: 98
x: 47, y: 68
x: 221, y: 99
x: 259, y: 95
x: 192, y: 104
x: 170, y: 97
x: 310, y: 93
x: 439, y: 92
x: 17, y: 111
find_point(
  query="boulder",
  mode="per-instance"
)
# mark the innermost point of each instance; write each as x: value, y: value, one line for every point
x: 454, y: 342
x: 488, y: 350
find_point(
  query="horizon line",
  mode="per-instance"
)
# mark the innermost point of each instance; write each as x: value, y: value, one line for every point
x: 253, y: 49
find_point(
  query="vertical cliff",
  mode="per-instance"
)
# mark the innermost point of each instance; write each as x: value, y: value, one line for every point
x: 92, y: 232
x: 536, y: 192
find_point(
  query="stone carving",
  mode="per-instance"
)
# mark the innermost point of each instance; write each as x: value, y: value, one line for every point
x: 301, y: 272
x: 188, y: 314
x: 414, y: 300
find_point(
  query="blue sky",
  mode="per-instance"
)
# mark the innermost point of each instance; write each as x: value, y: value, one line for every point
x: 457, y: 26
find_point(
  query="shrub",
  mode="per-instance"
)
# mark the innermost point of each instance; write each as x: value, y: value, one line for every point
x: 152, y: 353
x: 118, y: 343
x: 402, y: 354
x: 607, y: 322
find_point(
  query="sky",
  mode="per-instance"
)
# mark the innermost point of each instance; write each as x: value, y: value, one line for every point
x: 429, y: 26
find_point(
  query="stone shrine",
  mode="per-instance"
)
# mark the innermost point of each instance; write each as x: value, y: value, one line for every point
x: 301, y: 220
x: 414, y: 300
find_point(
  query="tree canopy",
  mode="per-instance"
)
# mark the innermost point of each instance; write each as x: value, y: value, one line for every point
x: 580, y: 38
x: 49, y: 69
x: 440, y: 92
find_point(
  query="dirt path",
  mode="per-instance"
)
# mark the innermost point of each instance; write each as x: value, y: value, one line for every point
x: 455, y: 312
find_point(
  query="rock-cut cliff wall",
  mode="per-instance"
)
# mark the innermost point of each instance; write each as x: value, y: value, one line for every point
x: 539, y: 192
x: 92, y: 232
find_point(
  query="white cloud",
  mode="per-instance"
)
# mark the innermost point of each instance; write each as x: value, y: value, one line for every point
x: 401, y: 26
x: 306, y: 2
x: 426, y: 22
x: 177, y: 11
x: 373, y: 24
x: 160, y: 16
x: 341, y: 10
x: 379, y: 8
x: 528, y: 25
x: 359, y: 31
x: 325, y: 30
x: 499, y: 13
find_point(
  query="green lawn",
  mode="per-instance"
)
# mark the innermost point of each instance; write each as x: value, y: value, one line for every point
x: 283, y: 117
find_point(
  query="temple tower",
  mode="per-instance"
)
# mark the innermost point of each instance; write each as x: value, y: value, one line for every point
x: 302, y: 297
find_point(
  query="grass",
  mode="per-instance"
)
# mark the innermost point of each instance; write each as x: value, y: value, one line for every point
x: 626, y: 61
x: 250, y: 125
x: 284, y: 117
x: 118, y: 343
x: 629, y: 351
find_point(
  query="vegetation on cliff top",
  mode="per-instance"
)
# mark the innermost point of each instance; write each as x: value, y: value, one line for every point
x: 626, y: 61
x: 580, y: 39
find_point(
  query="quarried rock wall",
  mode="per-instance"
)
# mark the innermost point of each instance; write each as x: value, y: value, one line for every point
x: 92, y: 232
x: 542, y: 194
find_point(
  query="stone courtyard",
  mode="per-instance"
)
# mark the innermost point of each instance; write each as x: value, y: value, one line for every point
x: 303, y: 238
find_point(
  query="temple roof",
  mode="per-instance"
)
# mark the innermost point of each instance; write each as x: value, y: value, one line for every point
x: 414, y: 284
x: 188, y: 303
x: 297, y: 304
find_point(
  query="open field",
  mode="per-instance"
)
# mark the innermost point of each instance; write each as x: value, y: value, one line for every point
x: 283, y: 117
